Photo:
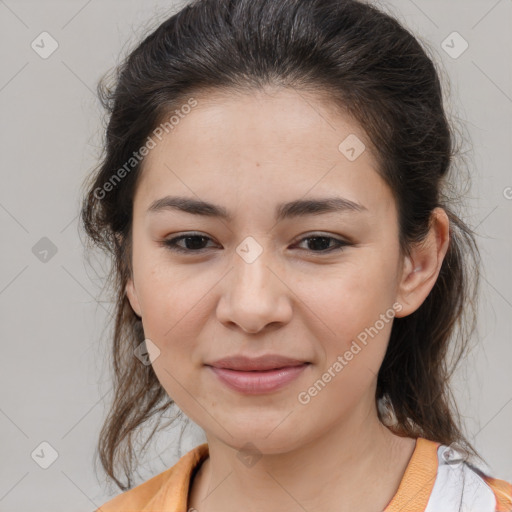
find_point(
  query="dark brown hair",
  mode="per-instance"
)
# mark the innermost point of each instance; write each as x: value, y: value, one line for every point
x: 364, y: 62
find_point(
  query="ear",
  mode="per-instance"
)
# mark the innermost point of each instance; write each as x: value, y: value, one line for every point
x: 421, y: 269
x: 132, y: 297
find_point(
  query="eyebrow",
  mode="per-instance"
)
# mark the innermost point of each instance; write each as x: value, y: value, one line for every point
x: 297, y: 208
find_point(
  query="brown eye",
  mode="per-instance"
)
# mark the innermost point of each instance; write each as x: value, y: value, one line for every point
x: 195, y: 243
x: 322, y: 244
x: 192, y: 242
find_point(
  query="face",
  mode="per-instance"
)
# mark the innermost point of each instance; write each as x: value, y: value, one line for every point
x: 319, y: 286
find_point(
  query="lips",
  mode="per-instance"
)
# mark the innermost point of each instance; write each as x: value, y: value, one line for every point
x: 256, y: 364
x: 261, y: 381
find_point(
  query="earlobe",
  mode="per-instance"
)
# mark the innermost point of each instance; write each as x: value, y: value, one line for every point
x: 421, y: 269
x: 132, y: 297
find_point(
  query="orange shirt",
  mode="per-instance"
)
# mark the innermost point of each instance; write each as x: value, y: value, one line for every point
x: 425, y: 486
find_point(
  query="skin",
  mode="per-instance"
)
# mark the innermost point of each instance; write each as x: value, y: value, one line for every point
x: 248, y: 153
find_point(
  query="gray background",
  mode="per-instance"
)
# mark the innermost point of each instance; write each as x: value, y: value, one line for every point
x: 54, y: 378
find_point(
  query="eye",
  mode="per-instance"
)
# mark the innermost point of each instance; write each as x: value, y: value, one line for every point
x: 321, y: 243
x: 194, y: 242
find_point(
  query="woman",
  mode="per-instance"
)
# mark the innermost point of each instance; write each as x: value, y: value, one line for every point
x: 288, y: 268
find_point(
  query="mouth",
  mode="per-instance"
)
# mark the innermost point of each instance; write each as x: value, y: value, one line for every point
x: 262, y: 363
x: 261, y: 381
x: 261, y: 371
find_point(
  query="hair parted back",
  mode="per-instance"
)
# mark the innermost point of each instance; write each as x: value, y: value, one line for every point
x: 364, y: 62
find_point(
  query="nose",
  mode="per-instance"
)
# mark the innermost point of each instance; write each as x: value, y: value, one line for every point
x: 255, y: 295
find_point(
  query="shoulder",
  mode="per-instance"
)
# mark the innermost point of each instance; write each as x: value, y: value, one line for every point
x: 440, y: 478
x: 502, y: 492
x: 461, y: 486
x: 166, y: 491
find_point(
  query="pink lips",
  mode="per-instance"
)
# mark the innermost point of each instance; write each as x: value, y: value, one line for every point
x: 257, y: 375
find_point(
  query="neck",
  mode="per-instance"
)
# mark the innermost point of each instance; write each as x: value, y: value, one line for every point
x: 357, y: 466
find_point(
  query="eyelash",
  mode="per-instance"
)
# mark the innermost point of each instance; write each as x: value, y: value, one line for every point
x: 171, y: 243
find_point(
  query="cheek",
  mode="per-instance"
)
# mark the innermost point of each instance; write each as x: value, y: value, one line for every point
x: 349, y: 299
x: 173, y: 320
x: 352, y: 318
x: 170, y: 297
x: 352, y: 348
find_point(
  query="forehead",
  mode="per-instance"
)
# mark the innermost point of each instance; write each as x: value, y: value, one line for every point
x: 262, y: 148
